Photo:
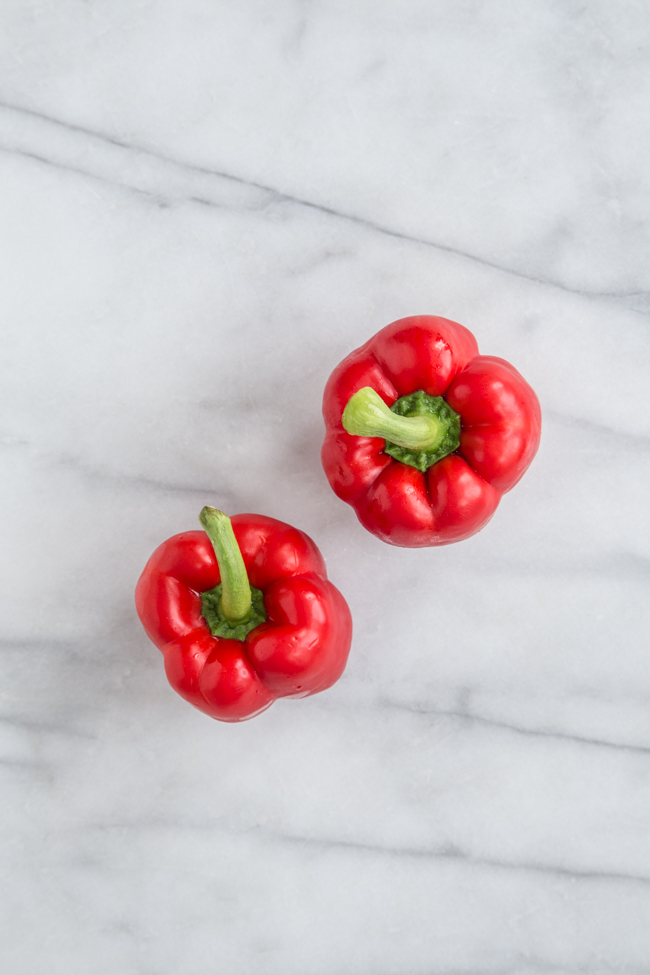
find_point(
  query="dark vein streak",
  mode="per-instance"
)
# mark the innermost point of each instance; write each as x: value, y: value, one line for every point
x: 621, y: 437
x: 457, y: 856
x: 282, y: 197
x: 32, y: 645
x: 80, y: 172
x: 20, y: 763
x: 138, y: 480
x: 165, y: 487
x: 448, y: 853
x: 43, y: 727
x: 518, y: 729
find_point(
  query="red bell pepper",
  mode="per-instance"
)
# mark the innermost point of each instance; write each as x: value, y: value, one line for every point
x: 424, y: 435
x: 244, y: 614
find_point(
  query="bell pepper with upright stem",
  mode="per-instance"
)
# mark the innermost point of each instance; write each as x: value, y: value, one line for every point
x: 424, y: 435
x: 243, y: 613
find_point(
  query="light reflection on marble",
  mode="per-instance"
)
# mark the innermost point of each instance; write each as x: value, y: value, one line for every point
x: 205, y: 206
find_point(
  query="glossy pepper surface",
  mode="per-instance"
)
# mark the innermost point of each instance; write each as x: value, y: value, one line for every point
x: 424, y: 435
x: 243, y: 614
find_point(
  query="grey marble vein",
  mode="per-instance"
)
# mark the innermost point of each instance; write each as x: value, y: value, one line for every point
x: 639, y: 298
x: 465, y: 717
x: 460, y: 856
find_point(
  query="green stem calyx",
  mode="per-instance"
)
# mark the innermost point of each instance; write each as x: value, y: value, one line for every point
x: 233, y: 608
x: 419, y: 429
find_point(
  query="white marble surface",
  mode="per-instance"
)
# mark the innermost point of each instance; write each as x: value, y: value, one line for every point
x: 204, y: 207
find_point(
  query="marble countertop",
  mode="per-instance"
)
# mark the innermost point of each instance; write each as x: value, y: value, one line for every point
x: 205, y: 206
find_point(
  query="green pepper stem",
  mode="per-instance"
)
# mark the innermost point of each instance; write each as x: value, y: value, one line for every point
x: 236, y: 590
x: 366, y: 415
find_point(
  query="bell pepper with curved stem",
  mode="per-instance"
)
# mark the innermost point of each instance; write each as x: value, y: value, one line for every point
x: 424, y: 435
x: 243, y: 613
